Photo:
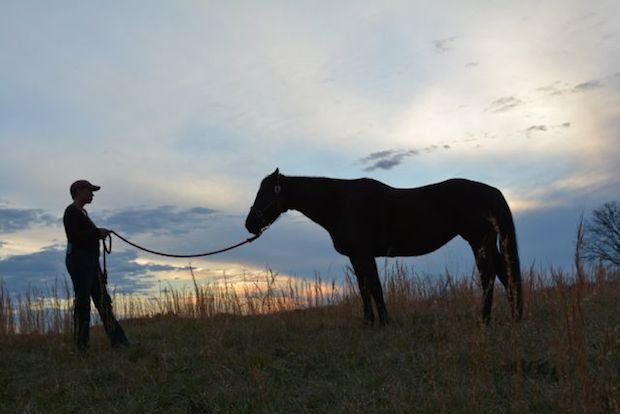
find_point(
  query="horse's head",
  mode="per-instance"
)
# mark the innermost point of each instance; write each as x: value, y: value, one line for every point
x: 267, y: 206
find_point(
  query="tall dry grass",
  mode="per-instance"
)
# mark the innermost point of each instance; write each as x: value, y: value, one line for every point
x: 36, y: 311
x: 406, y: 291
x: 50, y: 310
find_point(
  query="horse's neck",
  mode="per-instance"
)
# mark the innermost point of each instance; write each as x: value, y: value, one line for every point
x: 313, y: 197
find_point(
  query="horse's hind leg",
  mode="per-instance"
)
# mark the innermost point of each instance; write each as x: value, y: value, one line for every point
x: 501, y: 268
x: 368, y: 280
x: 485, y: 259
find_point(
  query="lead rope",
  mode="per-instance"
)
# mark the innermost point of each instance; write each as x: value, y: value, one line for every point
x: 107, y: 249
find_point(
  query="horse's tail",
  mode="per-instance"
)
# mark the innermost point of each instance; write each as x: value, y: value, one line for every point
x: 510, y: 254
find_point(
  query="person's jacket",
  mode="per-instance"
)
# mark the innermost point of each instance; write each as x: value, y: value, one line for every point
x: 82, y: 234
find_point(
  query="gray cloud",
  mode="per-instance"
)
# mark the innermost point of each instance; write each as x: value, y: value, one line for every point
x: 37, y: 271
x: 555, y: 88
x: 537, y: 128
x: 378, y: 155
x: 544, y: 128
x: 588, y: 86
x: 443, y: 45
x: 163, y: 219
x: 128, y: 276
x: 388, y: 159
x: 561, y: 88
x: 14, y: 219
x: 22, y: 272
x: 504, y: 104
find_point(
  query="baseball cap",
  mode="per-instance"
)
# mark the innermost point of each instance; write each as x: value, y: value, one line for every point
x: 80, y: 184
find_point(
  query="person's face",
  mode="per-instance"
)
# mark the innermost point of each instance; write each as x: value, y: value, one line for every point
x: 85, y: 195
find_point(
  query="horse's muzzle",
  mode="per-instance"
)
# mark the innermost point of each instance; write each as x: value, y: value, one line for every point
x: 253, y: 224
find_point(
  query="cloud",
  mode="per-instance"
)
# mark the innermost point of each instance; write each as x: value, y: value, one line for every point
x: 587, y: 86
x: 555, y: 88
x: 129, y: 275
x: 388, y: 159
x: 545, y: 128
x: 163, y: 219
x: 443, y: 45
x: 39, y: 270
x: 562, y: 88
x: 504, y: 104
x: 536, y: 128
x: 14, y: 219
x: 34, y: 270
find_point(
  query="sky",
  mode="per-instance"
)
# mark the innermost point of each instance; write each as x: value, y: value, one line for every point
x: 179, y: 109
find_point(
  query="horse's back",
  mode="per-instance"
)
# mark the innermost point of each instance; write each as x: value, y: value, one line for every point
x: 412, y: 221
x: 448, y: 199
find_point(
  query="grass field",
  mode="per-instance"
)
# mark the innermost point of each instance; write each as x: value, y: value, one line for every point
x: 294, y: 347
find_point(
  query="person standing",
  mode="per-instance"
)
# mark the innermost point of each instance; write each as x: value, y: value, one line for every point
x: 82, y: 263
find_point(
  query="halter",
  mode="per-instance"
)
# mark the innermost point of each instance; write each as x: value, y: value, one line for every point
x: 260, y: 213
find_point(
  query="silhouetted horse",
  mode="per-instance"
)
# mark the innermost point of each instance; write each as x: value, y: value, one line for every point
x: 367, y: 219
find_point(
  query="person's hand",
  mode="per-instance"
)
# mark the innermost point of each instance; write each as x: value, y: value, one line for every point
x: 103, y: 276
x: 104, y: 232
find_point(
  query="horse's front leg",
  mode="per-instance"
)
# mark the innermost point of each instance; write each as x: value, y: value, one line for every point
x: 370, y: 286
x: 361, y: 274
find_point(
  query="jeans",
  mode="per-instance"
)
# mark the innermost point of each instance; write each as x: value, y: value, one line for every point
x: 87, y: 283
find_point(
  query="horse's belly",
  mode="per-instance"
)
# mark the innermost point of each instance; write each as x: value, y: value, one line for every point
x: 414, y: 245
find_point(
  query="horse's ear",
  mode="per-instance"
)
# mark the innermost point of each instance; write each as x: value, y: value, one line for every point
x: 277, y: 188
